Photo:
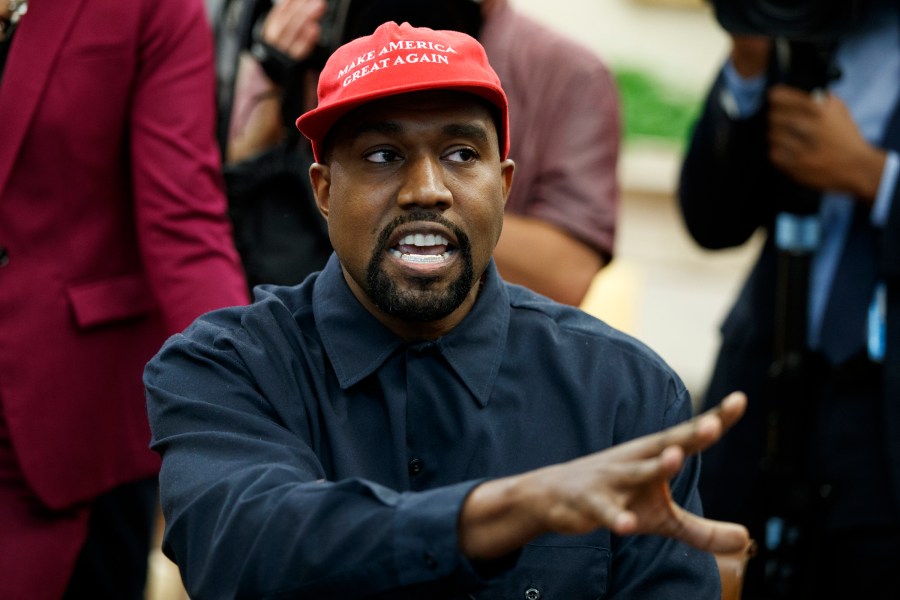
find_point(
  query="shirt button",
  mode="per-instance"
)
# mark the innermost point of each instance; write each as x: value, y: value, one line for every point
x: 415, y: 466
x: 532, y: 594
x: 430, y: 561
x: 4, y: 256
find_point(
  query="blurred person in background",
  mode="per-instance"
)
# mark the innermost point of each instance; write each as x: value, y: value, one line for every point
x: 821, y: 162
x: 560, y: 218
x: 113, y: 235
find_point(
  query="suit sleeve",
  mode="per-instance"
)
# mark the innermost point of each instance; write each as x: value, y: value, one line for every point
x: 183, y: 227
x: 725, y: 186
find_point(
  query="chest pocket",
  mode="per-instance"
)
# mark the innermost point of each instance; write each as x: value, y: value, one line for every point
x: 556, y: 568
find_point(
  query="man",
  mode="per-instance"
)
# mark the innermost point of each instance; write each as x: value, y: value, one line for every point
x: 565, y: 203
x: 405, y: 424
x: 839, y: 146
x: 113, y: 236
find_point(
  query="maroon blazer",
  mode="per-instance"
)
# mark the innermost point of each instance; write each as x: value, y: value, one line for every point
x: 113, y: 229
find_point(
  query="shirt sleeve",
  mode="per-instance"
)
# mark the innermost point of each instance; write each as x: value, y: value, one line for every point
x: 574, y: 180
x: 249, y: 511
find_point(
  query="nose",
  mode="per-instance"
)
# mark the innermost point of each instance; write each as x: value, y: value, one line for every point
x: 424, y: 185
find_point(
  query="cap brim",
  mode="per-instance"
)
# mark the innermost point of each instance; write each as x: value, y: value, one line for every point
x: 316, y: 123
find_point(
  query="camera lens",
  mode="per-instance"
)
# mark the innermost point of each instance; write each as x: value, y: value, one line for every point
x: 812, y: 20
x: 786, y: 9
x: 792, y: 16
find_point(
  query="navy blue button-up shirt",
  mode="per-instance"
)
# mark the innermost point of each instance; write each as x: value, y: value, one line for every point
x: 310, y: 452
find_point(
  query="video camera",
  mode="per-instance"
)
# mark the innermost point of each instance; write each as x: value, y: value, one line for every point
x: 795, y: 20
x: 346, y: 20
x: 806, y: 33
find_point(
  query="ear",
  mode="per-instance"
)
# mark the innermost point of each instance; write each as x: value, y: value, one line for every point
x: 507, y: 170
x: 320, y: 178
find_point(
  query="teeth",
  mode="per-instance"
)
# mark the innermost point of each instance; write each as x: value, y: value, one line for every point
x: 421, y: 259
x: 420, y: 239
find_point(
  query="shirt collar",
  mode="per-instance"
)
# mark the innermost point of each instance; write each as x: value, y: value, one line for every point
x: 357, y: 343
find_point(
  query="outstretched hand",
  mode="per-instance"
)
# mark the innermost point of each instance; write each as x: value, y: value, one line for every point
x: 624, y: 488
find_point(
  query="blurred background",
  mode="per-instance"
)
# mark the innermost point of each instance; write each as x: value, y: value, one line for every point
x: 661, y: 287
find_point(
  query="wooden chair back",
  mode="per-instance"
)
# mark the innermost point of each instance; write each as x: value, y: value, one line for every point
x: 732, y: 568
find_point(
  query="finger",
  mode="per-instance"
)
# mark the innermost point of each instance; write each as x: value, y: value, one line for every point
x: 730, y: 409
x: 693, y: 435
x: 708, y: 534
x: 294, y: 24
x: 784, y: 159
x: 624, y: 523
x: 708, y: 427
x: 609, y: 511
x: 781, y: 95
x: 304, y: 42
x: 660, y: 467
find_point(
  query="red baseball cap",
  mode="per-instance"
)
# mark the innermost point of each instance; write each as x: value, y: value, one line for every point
x: 397, y: 59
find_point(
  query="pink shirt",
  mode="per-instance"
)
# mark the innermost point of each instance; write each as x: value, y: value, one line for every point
x: 564, y: 126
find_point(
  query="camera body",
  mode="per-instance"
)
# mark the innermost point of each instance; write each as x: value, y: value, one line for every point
x: 795, y: 20
x: 346, y: 20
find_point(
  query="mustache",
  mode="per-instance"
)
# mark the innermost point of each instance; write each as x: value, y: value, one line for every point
x: 418, y: 216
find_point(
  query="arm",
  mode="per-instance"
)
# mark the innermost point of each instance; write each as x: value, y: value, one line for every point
x: 726, y: 182
x: 555, y: 264
x: 286, y: 36
x: 180, y: 208
x: 624, y: 489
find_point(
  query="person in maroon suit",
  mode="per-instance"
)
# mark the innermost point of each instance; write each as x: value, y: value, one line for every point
x: 113, y: 235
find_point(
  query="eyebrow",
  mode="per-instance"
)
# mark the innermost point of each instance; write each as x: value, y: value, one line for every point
x: 476, y: 132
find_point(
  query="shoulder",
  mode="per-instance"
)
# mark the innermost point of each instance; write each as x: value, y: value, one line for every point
x: 592, y: 367
x: 577, y: 330
x: 277, y: 316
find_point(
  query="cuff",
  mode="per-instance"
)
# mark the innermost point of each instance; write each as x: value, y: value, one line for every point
x: 741, y: 97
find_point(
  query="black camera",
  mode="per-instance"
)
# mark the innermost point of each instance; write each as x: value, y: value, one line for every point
x: 346, y: 20
x: 796, y: 20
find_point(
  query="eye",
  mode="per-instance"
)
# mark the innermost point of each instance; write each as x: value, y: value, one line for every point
x: 382, y: 155
x: 463, y: 155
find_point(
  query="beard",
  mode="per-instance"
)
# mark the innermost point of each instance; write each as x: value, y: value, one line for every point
x: 421, y: 302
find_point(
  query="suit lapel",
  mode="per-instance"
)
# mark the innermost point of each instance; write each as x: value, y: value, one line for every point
x: 36, y: 45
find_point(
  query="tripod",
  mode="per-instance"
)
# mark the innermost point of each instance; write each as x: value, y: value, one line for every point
x: 792, y: 502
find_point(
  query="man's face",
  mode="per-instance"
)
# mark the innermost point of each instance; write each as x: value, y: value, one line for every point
x: 413, y: 192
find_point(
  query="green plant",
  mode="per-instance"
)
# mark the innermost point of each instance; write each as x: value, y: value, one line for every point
x: 653, y: 109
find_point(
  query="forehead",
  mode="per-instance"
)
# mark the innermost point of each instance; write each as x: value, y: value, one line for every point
x: 418, y: 109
